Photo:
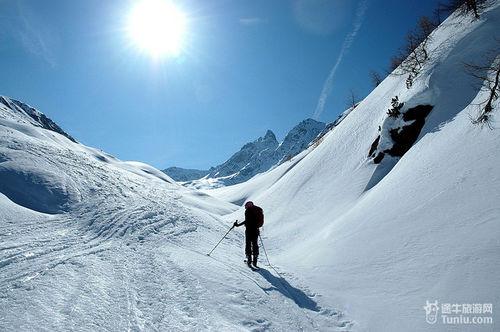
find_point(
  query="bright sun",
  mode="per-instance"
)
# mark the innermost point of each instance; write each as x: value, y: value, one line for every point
x: 157, y: 27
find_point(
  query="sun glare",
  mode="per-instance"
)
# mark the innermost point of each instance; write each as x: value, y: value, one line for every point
x: 157, y: 27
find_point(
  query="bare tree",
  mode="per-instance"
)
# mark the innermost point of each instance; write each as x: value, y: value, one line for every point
x: 425, y: 26
x: 449, y: 6
x: 395, y: 62
x: 490, y: 78
x: 438, y: 13
x: 416, y: 43
x: 465, y: 6
x: 414, y: 54
x: 352, y: 100
x: 375, y: 77
x: 472, y: 6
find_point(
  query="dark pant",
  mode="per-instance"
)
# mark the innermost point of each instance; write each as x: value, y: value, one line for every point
x: 251, y: 243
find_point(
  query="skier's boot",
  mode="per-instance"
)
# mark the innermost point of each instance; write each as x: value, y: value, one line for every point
x: 249, y: 261
x: 255, y: 261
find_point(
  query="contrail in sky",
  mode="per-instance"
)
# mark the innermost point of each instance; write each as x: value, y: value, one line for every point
x: 33, y: 35
x: 327, y: 87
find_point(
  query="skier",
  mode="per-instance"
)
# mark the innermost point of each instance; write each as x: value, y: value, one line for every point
x: 254, y: 218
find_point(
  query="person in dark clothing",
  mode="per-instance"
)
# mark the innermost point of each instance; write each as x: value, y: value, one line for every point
x: 254, y: 219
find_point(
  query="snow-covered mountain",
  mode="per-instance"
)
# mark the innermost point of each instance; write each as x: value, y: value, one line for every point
x: 184, y: 174
x: 30, y: 115
x: 253, y: 158
x: 298, y: 139
x: 392, y: 209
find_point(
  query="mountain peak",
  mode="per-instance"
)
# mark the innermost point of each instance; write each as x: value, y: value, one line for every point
x: 299, y: 138
x: 270, y: 135
x: 257, y: 156
x: 309, y: 121
x: 31, y: 115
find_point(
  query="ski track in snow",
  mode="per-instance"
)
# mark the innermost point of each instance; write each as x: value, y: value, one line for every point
x: 130, y: 252
x: 124, y: 262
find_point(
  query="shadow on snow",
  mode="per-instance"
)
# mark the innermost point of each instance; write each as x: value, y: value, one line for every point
x: 281, y: 285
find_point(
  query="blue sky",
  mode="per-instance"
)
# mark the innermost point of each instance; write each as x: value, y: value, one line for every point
x: 246, y: 66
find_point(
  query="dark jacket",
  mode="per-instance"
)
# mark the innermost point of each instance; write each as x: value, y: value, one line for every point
x: 251, y: 218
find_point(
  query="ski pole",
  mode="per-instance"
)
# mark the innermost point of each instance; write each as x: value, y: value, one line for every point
x: 220, y: 240
x: 267, y: 257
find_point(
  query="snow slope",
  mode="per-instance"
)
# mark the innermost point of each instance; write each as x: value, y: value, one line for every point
x: 92, y: 243
x: 381, y: 239
x: 258, y: 184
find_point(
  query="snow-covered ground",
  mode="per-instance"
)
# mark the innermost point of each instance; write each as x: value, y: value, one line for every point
x: 89, y: 242
x: 124, y: 248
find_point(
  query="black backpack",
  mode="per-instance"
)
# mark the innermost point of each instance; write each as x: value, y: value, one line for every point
x: 259, y: 216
